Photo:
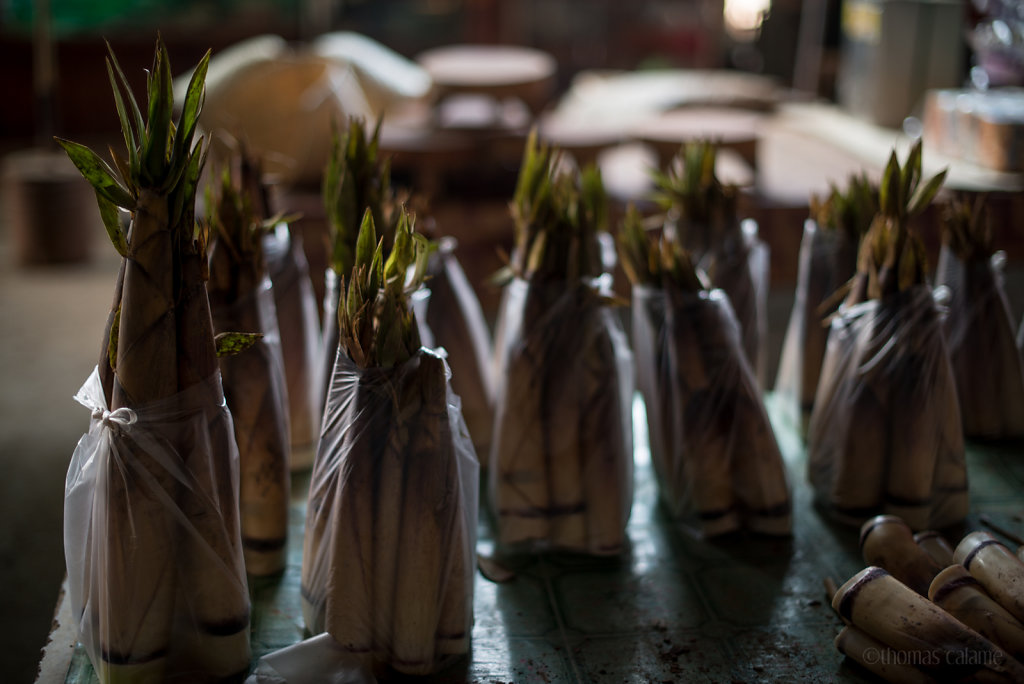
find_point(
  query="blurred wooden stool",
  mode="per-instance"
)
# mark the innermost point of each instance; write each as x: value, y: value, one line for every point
x: 500, y: 72
x: 729, y: 128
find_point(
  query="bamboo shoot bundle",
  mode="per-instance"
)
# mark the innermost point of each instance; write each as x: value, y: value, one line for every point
x: 827, y: 260
x: 457, y: 324
x: 155, y: 566
x: 703, y: 219
x: 884, y: 435
x: 299, y: 325
x: 978, y: 327
x: 388, y: 562
x: 254, y: 382
x: 561, y: 461
x: 356, y: 179
x: 719, y: 468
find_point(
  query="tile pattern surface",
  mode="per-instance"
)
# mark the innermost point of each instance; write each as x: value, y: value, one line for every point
x: 672, y: 608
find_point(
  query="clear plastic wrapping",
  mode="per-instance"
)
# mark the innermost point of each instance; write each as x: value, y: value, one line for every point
x: 155, y: 572
x: 885, y: 433
x: 824, y: 264
x: 740, y: 267
x: 254, y: 387
x: 717, y: 462
x: 561, y: 463
x: 457, y: 323
x: 390, y: 545
x: 982, y: 349
x: 299, y: 325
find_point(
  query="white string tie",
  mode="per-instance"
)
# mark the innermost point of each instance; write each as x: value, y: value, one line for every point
x: 118, y: 418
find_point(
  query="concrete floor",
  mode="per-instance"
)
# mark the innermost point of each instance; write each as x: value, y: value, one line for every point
x: 53, y: 318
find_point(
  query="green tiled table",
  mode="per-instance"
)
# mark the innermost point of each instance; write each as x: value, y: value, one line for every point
x: 672, y: 609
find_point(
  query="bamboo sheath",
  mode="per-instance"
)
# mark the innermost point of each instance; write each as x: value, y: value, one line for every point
x: 936, y: 546
x: 136, y: 590
x: 386, y: 572
x: 213, y: 559
x: 887, y: 541
x: 825, y: 262
x: 299, y: 327
x: 731, y: 269
x: 885, y: 435
x: 457, y: 322
x: 996, y: 568
x: 956, y: 591
x: 254, y: 387
x: 937, y: 643
x: 729, y: 467
x: 877, y: 658
x: 983, y: 352
x: 561, y: 461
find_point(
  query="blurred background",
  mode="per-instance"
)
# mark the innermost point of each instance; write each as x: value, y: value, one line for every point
x: 799, y: 93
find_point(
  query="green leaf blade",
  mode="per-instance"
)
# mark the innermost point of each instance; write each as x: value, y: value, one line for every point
x: 98, y: 173
x: 232, y: 343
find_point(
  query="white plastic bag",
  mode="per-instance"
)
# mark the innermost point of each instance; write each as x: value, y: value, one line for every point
x: 561, y: 464
x: 885, y: 433
x: 390, y: 547
x: 317, y: 660
x: 155, y: 572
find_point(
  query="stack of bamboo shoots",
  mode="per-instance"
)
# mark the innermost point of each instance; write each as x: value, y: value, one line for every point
x: 456, y: 323
x: 152, y: 541
x: 388, y: 560
x: 561, y: 463
x: 702, y: 217
x: 356, y: 179
x: 299, y: 325
x: 827, y: 260
x: 924, y: 612
x: 718, y: 464
x: 978, y: 326
x: 885, y: 435
x: 241, y: 298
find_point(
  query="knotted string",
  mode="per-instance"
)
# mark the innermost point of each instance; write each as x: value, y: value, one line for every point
x: 116, y: 419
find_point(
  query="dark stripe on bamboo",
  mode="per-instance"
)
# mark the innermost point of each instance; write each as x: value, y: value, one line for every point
x: 123, y: 659
x: 845, y: 608
x: 265, y: 545
x: 949, y: 587
x: 227, y: 627
x: 974, y: 552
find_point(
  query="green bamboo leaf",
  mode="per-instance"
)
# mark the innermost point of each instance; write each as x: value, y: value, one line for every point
x: 140, y: 124
x: 375, y: 274
x: 231, y: 343
x: 423, y: 249
x: 98, y: 173
x: 131, y: 139
x: 889, y: 190
x: 112, y: 222
x: 192, y: 106
x: 926, y: 193
x: 161, y: 103
x: 366, y: 242
x: 124, y: 170
x: 911, y: 174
